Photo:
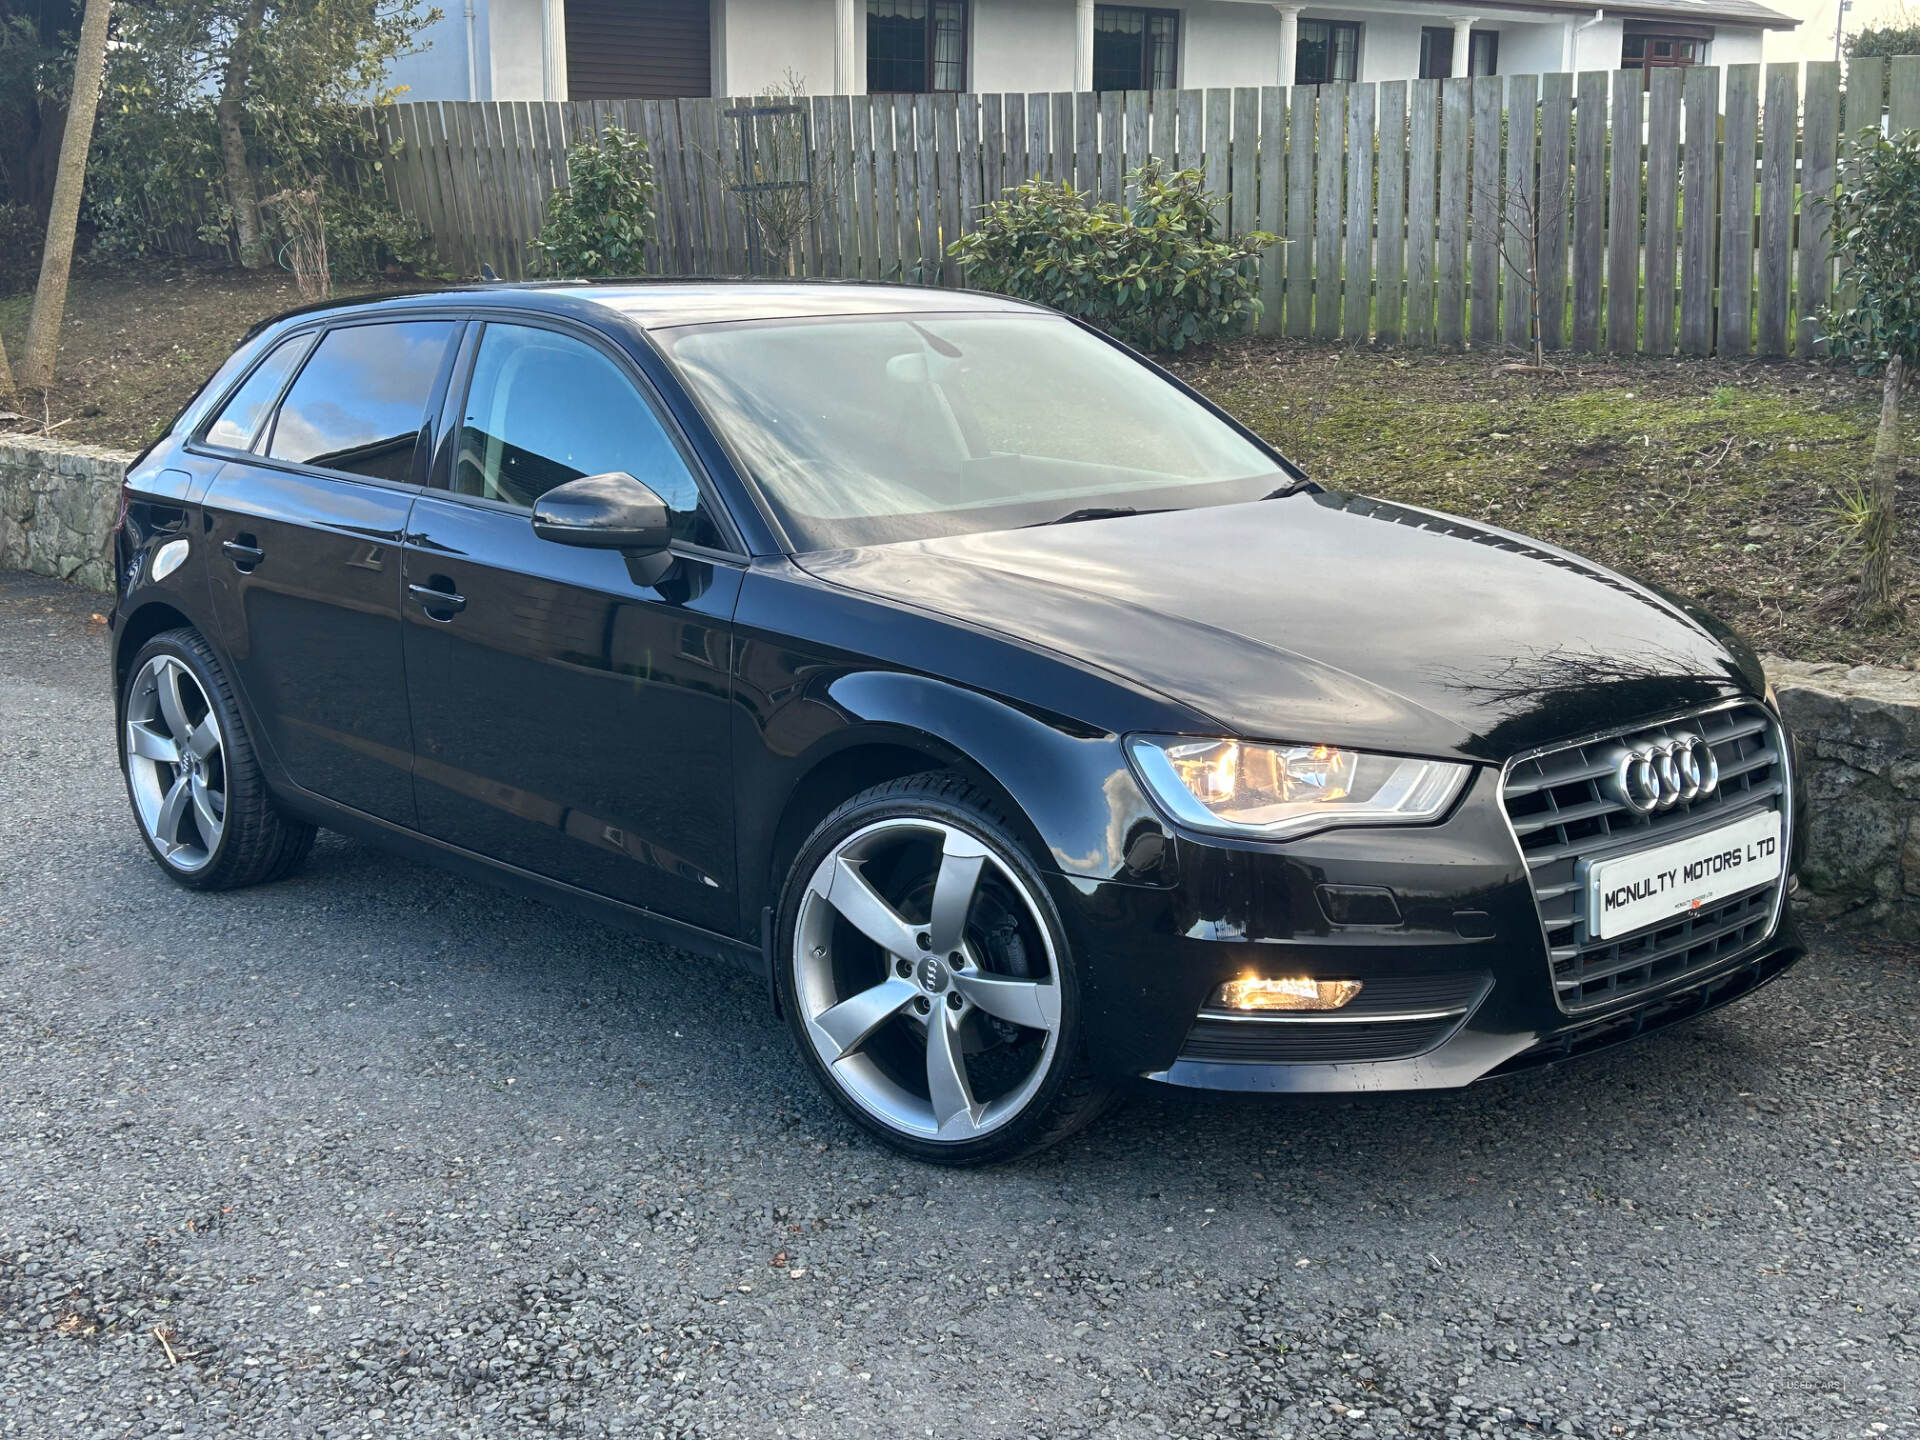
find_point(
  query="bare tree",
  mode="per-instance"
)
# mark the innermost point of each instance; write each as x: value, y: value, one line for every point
x: 782, y: 194
x: 56, y: 261
x: 1518, y: 203
x: 302, y: 217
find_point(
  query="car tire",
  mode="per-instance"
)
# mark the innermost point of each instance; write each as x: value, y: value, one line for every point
x: 974, y: 942
x: 193, y: 777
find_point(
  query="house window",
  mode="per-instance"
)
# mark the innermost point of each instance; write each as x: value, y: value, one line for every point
x: 1135, y: 49
x: 1436, y: 52
x: 1647, y: 48
x: 914, y: 46
x: 1328, y: 50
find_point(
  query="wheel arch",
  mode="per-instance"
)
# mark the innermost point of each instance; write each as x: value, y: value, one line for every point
x: 151, y: 618
x: 1064, y: 787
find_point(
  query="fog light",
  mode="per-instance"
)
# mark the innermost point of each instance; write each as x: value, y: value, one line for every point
x: 1257, y: 992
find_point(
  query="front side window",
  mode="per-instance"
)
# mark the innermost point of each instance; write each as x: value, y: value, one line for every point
x: 1328, y: 50
x: 544, y: 408
x: 916, y: 46
x: 873, y: 429
x: 1135, y: 48
x: 359, y: 403
x: 239, y: 419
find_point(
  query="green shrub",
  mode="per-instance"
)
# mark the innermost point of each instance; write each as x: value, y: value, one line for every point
x: 1155, y: 277
x: 21, y: 236
x: 368, y: 237
x: 600, y: 223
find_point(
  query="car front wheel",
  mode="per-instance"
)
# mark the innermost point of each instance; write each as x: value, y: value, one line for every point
x: 927, y: 978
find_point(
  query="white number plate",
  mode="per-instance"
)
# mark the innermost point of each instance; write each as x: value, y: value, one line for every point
x: 1653, y: 885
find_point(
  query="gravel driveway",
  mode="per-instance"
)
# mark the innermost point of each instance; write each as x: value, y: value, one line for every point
x: 378, y: 1152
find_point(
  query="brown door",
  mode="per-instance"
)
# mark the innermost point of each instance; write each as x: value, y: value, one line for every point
x: 638, y: 49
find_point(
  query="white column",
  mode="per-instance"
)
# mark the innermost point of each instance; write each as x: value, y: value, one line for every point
x: 1083, y: 45
x: 1462, y: 42
x: 553, y: 49
x: 845, y: 81
x: 1289, y: 41
x: 1566, y: 45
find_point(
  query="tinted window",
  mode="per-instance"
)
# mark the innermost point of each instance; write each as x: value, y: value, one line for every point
x: 239, y: 419
x: 359, y: 403
x: 543, y: 409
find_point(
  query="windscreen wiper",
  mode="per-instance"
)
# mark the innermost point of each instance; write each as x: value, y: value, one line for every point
x: 1094, y: 512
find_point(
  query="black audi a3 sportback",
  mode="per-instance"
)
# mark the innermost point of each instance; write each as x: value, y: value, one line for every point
x: 1035, y: 726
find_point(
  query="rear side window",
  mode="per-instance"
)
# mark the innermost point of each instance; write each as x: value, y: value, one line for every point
x: 239, y: 419
x: 359, y: 403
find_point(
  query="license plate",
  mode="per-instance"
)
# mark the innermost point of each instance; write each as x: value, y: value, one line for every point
x: 1649, y: 886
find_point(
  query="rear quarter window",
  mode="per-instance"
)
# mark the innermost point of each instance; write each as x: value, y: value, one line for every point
x: 239, y: 419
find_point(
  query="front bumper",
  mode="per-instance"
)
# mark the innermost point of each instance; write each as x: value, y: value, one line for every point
x: 1468, y: 932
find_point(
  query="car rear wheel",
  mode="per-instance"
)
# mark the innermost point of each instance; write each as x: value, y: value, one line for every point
x: 927, y: 978
x: 192, y: 775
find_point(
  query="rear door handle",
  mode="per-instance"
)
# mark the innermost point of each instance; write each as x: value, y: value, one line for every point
x: 244, y: 556
x: 431, y: 598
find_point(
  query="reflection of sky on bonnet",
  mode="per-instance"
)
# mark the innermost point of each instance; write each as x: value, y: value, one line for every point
x: 388, y: 370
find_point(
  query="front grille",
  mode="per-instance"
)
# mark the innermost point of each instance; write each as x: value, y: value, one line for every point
x: 1563, y: 816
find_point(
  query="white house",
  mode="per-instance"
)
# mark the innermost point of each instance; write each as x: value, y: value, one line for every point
x: 622, y: 49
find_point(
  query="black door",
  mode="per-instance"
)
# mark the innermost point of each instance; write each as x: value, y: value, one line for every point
x: 568, y: 719
x: 306, y: 575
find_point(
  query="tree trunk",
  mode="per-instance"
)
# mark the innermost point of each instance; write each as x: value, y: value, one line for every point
x: 1877, y: 578
x: 241, y: 192
x: 6, y: 374
x: 56, y: 261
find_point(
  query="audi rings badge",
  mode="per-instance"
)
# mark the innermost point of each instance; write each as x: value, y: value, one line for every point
x: 1663, y: 774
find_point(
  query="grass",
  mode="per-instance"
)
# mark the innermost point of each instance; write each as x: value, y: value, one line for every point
x: 1729, y: 482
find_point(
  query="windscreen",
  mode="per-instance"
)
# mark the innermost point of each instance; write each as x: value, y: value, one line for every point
x: 871, y: 429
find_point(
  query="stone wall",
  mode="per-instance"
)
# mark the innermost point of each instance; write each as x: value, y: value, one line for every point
x: 58, y: 502
x: 1859, y: 731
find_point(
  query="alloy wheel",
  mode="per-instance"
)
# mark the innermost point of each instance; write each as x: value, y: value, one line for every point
x: 176, y: 763
x: 927, y: 981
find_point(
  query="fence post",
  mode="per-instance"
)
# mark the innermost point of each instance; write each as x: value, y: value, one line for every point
x: 1556, y: 143
x: 1736, y: 209
x: 1357, y: 320
x: 1456, y: 106
x: 1423, y: 116
x: 1589, y: 203
x: 1391, y: 245
x: 1623, y: 224
x: 1487, y: 219
x: 1663, y: 207
x: 1819, y: 144
x: 1698, y: 226
x: 1327, y: 212
x: 1776, y: 205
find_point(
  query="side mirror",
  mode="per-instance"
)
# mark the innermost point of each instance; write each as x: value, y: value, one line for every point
x: 604, y: 512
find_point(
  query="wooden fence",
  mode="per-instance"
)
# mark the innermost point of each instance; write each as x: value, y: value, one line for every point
x: 1660, y: 219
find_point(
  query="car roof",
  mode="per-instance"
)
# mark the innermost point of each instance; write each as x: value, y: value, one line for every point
x: 667, y: 304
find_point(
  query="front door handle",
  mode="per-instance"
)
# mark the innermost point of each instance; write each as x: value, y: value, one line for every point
x: 243, y: 554
x: 432, y: 597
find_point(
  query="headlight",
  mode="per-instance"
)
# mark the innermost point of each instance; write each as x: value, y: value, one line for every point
x: 1278, y: 791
